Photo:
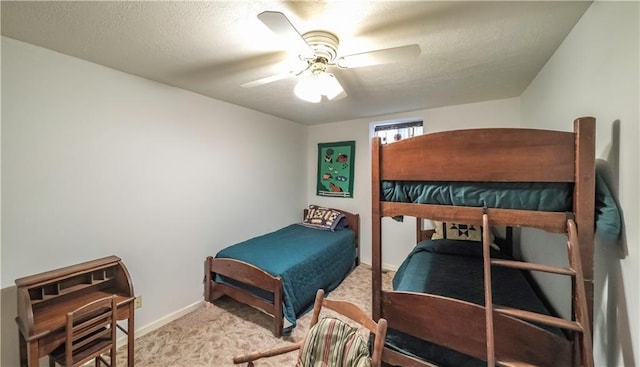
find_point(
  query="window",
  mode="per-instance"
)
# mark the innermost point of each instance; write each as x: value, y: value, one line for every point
x: 392, y: 131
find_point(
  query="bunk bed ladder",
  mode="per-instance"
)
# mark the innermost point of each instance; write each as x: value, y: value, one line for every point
x: 488, y: 301
x: 579, y: 326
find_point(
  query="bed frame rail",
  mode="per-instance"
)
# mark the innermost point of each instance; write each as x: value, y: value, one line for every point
x: 555, y: 222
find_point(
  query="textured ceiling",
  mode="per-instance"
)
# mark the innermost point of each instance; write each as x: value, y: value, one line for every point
x: 471, y: 51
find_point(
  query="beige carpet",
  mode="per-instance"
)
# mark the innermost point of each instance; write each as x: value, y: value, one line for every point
x: 212, y: 335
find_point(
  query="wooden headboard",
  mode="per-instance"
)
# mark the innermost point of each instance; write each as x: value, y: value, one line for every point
x: 354, y: 225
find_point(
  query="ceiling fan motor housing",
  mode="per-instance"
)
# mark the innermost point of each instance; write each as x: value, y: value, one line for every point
x: 324, y: 45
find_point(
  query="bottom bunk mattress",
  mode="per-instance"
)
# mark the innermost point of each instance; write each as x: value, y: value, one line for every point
x: 454, y: 268
x: 307, y: 259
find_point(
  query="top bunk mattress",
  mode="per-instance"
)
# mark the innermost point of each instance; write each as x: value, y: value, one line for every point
x: 536, y: 196
x: 551, y: 197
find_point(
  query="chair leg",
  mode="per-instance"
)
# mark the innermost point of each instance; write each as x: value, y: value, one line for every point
x: 52, y: 362
x: 100, y: 361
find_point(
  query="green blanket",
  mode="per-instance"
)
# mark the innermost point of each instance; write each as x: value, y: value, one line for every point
x: 552, y: 197
x: 306, y: 258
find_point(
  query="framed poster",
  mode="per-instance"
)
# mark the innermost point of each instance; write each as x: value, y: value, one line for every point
x: 335, y: 169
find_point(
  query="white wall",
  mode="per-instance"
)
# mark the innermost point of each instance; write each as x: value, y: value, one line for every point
x: 96, y: 162
x: 595, y: 72
x: 397, y: 238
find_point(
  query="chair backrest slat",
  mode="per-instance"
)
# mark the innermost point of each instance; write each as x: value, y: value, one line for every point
x: 91, y: 331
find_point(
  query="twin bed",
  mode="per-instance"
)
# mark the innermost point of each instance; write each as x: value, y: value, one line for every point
x: 280, y: 272
x: 437, y: 311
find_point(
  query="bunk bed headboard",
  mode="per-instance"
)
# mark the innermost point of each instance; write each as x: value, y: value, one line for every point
x: 505, y: 155
x: 490, y: 155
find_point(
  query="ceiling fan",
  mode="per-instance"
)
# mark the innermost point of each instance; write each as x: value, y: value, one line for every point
x: 317, y: 52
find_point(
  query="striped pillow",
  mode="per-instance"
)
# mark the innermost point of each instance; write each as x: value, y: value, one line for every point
x: 332, y: 342
x: 322, y: 218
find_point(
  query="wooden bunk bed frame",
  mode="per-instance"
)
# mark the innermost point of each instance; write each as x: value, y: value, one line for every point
x: 256, y: 277
x: 491, y: 155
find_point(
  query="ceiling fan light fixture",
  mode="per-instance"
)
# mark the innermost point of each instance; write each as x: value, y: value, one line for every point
x: 313, y: 86
x: 308, y: 89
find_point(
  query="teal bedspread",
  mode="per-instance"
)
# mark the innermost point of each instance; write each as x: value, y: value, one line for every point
x: 608, y: 218
x: 552, y: 197
x: 306, y: 258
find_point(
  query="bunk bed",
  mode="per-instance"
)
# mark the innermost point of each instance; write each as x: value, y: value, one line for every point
x: 280, y: 272
x: 486, y: 177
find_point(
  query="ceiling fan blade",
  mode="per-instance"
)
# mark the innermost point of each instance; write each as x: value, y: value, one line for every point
x: 280, y: 25
x: 334, y: 89
x: 266, y: 80
x: 384, y: 56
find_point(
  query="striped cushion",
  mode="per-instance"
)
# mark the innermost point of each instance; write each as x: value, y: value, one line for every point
x: 322, y: 218
x: 334, y: 343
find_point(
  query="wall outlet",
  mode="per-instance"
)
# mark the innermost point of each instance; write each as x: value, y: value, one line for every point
x: 138, y: 302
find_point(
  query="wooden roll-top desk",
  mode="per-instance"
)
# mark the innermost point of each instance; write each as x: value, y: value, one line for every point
x: 44, y: 300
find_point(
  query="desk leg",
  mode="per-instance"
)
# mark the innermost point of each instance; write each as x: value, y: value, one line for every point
x: 23, y: 351
x: 130, y: 335
x: 28, y: 353
x: 34, y: 357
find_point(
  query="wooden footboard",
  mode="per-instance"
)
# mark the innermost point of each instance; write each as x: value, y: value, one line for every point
x: 460, y: 326
x: 250, y: 275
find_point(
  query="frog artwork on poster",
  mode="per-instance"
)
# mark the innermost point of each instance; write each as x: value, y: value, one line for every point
x: 335, y: 169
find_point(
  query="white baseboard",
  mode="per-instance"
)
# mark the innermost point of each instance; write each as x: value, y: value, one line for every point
x: 161, y: 322
x: 385, y: 267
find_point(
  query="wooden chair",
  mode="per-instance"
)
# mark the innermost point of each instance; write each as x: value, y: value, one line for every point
x: 90, y: 332
x: 317, y: 334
